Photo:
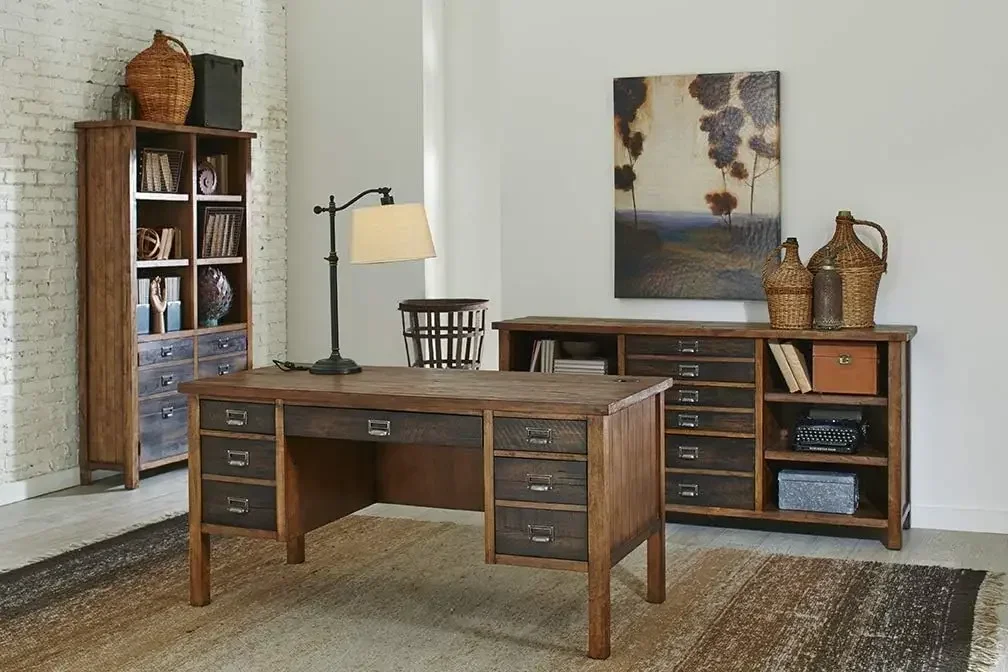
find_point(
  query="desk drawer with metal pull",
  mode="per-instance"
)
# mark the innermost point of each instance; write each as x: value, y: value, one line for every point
x: 239, y: 505
x: 161, y: 379
x: 223, y: 343
x: 710, y: 420
x: 729, y: 492
x: 247, y: 458
x: 709, y: 452
x: 164, y: 351
x: 237, y: 416
x: 537, y: 434
x: 436, y: 429
x: 163, y: 427
x: 549, y: 481
x: 540, y: 533
x: 686, y: 370
x: 690, y: 345
x: 222, y: 366
x: 684, y: 394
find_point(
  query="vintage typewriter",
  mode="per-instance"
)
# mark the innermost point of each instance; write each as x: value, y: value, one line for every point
x: 830, y: 430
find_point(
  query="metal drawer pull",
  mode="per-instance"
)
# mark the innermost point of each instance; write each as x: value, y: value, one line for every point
x: 167, y: 412
x: 379, y: 427
x: 223, y: 369
x: 689, y: 490
x: 540, y: 534
x: 167, y: 379
x: 238, y: 505
x: 688, y: 420
x: 689, y: 452
x: 238, y: 458
x: 689, y: 347
x: 689, y: 396
x: 539, y: 482
x: 235, y: 418
x: 223, y: 344
x: 843, y: 360
x: 538, y: 436
x: 689, y: 370
x: 166, y: 350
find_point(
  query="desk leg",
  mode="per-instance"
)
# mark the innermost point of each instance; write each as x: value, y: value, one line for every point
x: 598, y: 611
x: 295, y: 550
x: 656, y: 542
x: 599, y: 550
x: 199, y: 569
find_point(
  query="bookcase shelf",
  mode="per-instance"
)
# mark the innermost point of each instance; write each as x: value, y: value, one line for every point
x: 219, y: 198
x: 829, y: 399
x: 155, y: 196
x: 219, y: 261
x: 867, y: 455
x: 162, y: 263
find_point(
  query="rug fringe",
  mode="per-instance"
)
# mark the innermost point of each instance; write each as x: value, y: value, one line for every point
x: 987, y: 649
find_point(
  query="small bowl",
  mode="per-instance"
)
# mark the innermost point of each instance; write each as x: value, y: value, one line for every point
x: 581, y: 349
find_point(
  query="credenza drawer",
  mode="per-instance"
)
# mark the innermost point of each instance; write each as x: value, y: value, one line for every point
x: 437, y: 429
x: 238, y: 457
x: 163, y: 352
x: 222, y: 366
x: 163, y: 427
x: 699, y: 395
x: 537, y: 434
x: 710, y: 420
x: 550, y: 481
x: 686, y: 370
x: 541, y: 533
x: 239, y: 505
x: 689, y: 345
x: 237, y: 416
x: 223, y: 343
x: 729, y: 492
x: 162, y: 379
x: 709, y: 452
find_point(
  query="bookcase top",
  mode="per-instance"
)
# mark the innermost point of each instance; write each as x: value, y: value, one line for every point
x: 170, y: 128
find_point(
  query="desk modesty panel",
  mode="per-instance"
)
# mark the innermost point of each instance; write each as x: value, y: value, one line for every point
x: 568, y: 469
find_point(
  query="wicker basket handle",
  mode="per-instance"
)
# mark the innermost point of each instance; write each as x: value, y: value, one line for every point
x: 885, y: 240
x: 774, y: 256
x: 178, y: 42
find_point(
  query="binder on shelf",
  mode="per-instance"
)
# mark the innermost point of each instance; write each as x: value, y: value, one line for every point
x: 782, y: 363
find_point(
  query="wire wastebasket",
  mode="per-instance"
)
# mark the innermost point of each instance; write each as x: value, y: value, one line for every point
x: 443, y: 333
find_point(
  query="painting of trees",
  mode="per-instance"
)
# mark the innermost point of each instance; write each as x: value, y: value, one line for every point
x: 758, y: 92
x: 629, y: 95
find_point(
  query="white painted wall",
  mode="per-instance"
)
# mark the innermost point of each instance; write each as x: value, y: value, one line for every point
x: 355, y: 100
x: 890, y: 109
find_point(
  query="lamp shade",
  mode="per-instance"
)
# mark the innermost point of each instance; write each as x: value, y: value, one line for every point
x: 390, y: 233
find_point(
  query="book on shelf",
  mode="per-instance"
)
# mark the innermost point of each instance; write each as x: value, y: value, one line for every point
x: 543, y: 355
x: 143, y: 291
x: 536, y: 351
x: 778, y: 353
x: 799, y: 367
x: 172, y: 288
x: 599, y: 366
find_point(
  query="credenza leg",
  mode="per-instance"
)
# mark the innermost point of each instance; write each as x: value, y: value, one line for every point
x: 656, y: 565
x: 295, y: 550
x: 894, y: 536
x: 199, y: 570
x: 598, y: 611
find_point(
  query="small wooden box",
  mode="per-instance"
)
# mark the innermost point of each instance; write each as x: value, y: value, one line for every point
x: 845, y: 368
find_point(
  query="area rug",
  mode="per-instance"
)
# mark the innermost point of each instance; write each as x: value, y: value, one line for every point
x: 398, y: 594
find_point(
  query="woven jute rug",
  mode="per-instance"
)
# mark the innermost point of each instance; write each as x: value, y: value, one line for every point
x: 395, y: 594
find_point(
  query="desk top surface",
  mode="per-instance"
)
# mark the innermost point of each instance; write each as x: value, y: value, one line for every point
x: 434, y: 390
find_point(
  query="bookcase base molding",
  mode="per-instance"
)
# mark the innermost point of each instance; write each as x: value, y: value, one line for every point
x: 730, y: 418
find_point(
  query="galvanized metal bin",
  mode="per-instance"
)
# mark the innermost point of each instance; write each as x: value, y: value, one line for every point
x: 817, y: 491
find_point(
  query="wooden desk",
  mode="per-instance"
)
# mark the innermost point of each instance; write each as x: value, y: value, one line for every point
x: 568, y: 470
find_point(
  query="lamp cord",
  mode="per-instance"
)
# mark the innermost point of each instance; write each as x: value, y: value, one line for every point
x: 290, y: 366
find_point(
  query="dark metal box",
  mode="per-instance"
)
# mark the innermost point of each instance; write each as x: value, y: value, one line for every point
x: 217, y: 92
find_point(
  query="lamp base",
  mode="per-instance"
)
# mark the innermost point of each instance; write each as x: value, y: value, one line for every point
x: 331, y: 366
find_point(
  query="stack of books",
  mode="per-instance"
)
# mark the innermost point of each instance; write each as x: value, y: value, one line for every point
x: 792, y: 365
x: 595, y: 365
x: 156, y: 173
x: 221, y: 233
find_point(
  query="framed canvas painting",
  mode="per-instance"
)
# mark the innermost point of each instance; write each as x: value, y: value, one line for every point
x: 697, y: 184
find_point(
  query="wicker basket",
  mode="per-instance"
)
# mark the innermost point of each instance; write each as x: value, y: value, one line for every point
x: 788, y: 288
x: 859, y: 267
x: 162, y: 80
x: 443, y: 333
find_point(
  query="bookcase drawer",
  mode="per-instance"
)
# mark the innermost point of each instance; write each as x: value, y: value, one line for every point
x: 710, y: 420
x: 730, y: 492
x: 687, y: 345
x: 687, y: 370
x: 699, y: 395
x: 162, y: 379
x: 223, y: 343
x: 163, y: 352
x: 222, y: 366
x: 163, y: 427
x: 709, y: 452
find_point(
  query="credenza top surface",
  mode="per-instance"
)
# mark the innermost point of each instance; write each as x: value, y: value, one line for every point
x: 436, y: 390
x: 686, y: 328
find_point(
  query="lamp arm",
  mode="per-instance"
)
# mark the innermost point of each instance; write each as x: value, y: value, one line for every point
x: 384, y: 191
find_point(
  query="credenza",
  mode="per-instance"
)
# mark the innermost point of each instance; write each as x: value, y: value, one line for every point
x: 729, y: 415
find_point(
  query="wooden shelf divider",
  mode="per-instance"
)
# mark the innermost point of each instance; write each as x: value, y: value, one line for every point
x: 815, y: 398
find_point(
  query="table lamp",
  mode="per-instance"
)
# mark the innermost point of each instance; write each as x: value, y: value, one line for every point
x: 381, y: 233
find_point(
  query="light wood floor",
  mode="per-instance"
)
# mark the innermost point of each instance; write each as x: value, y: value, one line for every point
x: 44, y: 526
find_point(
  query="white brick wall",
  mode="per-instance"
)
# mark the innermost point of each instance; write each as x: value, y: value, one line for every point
x: 60, y: 62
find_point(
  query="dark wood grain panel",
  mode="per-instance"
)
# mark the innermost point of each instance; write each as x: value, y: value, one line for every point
x: 689, y: 345
x: 239, y: 457
x: 163, y: 427
x: 384, y: 426
x: 731, y: 492
x: 222, y: 366
x: 237, y: 416
x: 443, y: 477
x: 631, y: 483
x: 163, y: 379
x: 708, y: 452
x: 540, y: 435
x: 550, y: 481
x: 239, y: 505
x: 685, y: 394
x: 697, y: 419
x: 541, y: 533
x: 326, y: 480
x: 165, y: 351
x: 222, y: 343
x: 686, y: 371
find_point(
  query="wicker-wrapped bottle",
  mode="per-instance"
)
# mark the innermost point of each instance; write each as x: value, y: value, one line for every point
x: 788, y: 288
x: 162, y: 80
x: 859, y: 267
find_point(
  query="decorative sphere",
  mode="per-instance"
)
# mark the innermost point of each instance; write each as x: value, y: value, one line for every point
x: 214, y: 295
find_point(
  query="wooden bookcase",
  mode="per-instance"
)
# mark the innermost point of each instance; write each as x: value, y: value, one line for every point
x: 132, y: 417
x: 722, y: 465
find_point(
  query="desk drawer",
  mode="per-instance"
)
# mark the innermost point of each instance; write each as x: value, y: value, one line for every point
x: 222, y: 366
x: 162, y: 352
x: 536, y: 434
x: 686, y: 370
x: 685, y: 394
x: 685, y: 345
x: 541, y: 534
x: 436, y: 429
x: 237, y: 416
x: 729, y: 492
x: 238, y: 457
x: 709, y: 452
x: 164, y: 430
x: 552, y: 481
x: 223, y: 343
x: 710, y: 420
x: 161, y: 379
x: 239, y: 505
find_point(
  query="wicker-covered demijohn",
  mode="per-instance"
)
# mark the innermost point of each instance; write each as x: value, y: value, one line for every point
x: 162, y: 80
x: 788, y: 288
x: 860, y: 269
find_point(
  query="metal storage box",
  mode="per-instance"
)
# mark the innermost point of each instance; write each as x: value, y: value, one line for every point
x: 818, y: 491
x: 217, y: 92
